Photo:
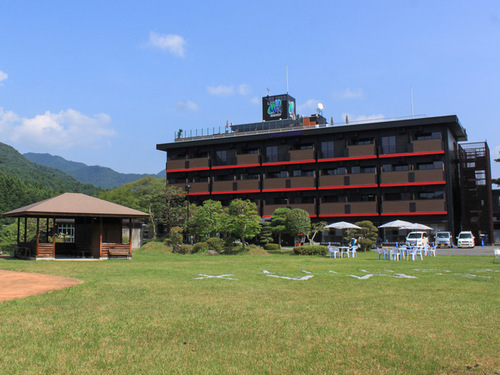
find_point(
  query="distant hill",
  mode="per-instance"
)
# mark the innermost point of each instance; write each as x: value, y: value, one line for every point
x: 103, y: 177
x: 23, y: 182
x: 12, y: 163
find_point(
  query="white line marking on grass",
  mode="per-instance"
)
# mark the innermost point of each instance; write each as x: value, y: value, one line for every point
x: 306, y: 271
x: 332, y: 271
x: 225, y: 277
x: 403, y: 276
x: 362, y: 277
x: 307, y: 277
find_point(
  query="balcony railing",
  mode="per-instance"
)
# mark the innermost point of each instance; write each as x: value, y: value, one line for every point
x: 348, y: 208
x: 419, y: 206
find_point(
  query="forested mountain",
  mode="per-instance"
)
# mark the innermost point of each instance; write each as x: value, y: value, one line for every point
x: 103, y: 177
x: 23, y: 182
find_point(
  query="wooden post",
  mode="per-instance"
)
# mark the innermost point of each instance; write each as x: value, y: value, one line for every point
x: 18, y: 230
x: 130, y: 236
x: 53, y: 236
x: 25, y: 229
x: 100, y: 237
x: 37, y: 235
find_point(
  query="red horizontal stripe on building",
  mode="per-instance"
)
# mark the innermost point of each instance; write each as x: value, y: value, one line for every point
x: 415, y: 183
x: 289, y: 162
x: 203, y: 193
x: 292, y: 189
x: 352, y: 215
x: 347, y: 187
x: 235, y: 166
x: 188, y: 170
x: 411, y: 154
x: 413, y: 213
x: 269, y: 216
x: 348, y: 158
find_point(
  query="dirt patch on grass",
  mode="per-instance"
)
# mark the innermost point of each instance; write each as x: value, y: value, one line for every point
x: 15, y: 284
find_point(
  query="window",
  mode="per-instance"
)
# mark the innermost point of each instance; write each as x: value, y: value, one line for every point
x: 327, y: 149
x: 430, y: 195
x: 280, y: 174
x: 401, y: 167
x: 367, y: 169
x: 249, y: 176
x: 362, y: 141
x: 423, y: 136
x: 340, y: 170
x: 66, y: 231
x: 221, y: 155
x: 389, y: 144
x: 355, y: 170
x: 272, y: 153
x: 433, y: 165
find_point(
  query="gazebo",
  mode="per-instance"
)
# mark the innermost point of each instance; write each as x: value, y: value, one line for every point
x: 74, y: 225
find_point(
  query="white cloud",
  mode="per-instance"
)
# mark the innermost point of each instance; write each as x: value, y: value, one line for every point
x: 310, y: 105
x: 349, y: 94
x: 3, y: 76
x: 256, y: 100
x: 187, y: 105
x: 169, y: 42
x: 220, y: 90
x: 55, y: 131
x: 244, y: 89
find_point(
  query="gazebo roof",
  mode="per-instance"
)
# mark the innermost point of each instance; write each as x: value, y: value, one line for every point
x: 75, y: 205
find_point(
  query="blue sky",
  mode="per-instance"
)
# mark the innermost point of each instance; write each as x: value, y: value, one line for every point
x: 102, y: 82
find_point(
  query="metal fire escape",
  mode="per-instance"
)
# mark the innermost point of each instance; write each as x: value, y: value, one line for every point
x: 475, y: 186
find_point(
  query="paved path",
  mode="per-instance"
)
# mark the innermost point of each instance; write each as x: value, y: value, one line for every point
x: 478, y: 250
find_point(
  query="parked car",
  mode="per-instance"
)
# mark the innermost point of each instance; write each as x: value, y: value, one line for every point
x: 443, y: 239
x: 417, y: 239
x: 465, y: 239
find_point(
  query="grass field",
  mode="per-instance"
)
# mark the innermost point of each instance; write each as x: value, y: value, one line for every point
x: 153, y: 315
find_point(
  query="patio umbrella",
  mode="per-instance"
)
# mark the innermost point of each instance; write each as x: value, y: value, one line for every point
x: 416, y: 226
x: 342, y: 225
x: 396, y: 224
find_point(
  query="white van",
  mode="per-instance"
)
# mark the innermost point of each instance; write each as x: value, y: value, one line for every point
x: 417, y: 239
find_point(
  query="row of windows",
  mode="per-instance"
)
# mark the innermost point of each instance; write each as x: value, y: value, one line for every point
x: 326, y: 148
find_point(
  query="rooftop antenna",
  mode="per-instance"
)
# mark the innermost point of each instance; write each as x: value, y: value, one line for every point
x: 287, y: 79
x: 268, y: 91
x: 411, y: 99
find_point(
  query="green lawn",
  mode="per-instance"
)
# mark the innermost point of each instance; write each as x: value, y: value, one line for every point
x: 152, y: 315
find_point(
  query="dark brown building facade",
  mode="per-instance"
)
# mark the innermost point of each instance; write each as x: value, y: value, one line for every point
x: 380, y: 171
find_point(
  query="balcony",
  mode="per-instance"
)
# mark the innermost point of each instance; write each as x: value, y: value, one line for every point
x: 427, y: 145
x: 411, y: 177
x: 361, y: 150
x: 295, y: 183
x: 348, y: 180
x: 243, y: 159
x: 241, y: 186
x: 414, y: 207
x: 299, y: 155
x: 187, y: 164
x: 349, y: 208
x: 309, y: 207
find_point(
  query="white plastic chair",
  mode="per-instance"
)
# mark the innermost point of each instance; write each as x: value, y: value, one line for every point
x: 394, y: 254
x: 333, y: 251
x: 432, y: 250
x: 381, y: 252
x: 496, y: 253
x: 415, y: 252
x: 353, y: 251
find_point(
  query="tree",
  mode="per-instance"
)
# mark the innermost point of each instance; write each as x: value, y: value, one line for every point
x: 265, y: 236
x: 298, y: 222
x: 242, y: 221
x: 146, y: 194
x: 315, y: 228
x: 175, y: 208
x: 208, y: 219
x: 278, y: 220
x: 366, y: 236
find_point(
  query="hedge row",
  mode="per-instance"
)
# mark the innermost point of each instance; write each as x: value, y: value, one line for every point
x: 310, y: 250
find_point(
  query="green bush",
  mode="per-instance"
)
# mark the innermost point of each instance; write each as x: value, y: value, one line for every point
x: 271, y: 246
x: 215, y: 243
x: 183, y: 249
x: 310, y: 250
x: 201, y: 247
